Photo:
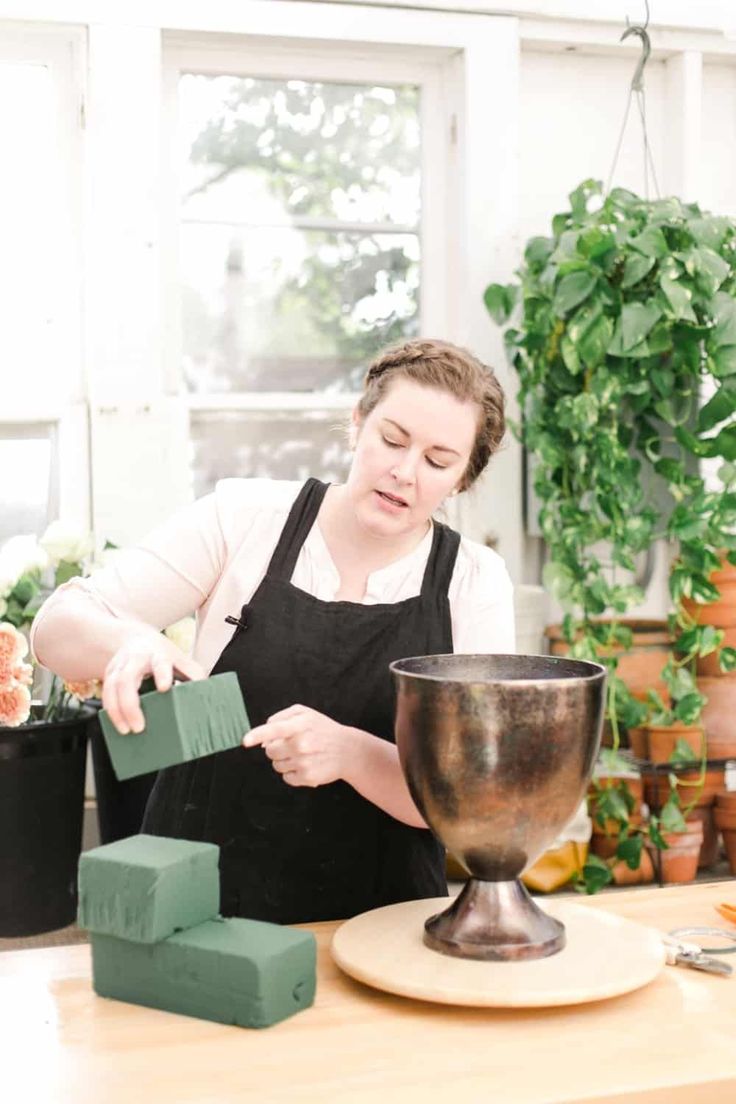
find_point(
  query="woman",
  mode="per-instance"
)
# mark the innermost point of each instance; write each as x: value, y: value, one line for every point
x: 325, y: 585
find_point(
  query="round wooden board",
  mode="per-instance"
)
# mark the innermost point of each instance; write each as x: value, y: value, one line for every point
x: 605, y: 956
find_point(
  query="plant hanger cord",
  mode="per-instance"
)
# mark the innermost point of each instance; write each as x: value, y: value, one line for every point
x: 636, y: 88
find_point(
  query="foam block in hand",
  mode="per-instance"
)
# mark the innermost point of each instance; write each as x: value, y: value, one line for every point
x: 145, y: 888
x: 233, y: 971
x: 191, y: 720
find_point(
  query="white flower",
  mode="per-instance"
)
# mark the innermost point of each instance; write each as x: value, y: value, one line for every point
x: 65, y: 542
x: 17, y: 556
x: 3, y: 607
x: 181, y: 633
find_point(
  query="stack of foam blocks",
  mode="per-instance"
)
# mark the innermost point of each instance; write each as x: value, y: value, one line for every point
x: 151, y: 906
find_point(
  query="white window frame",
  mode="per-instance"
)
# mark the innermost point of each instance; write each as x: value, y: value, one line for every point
x: 275, y: 60
x: 62, y: 413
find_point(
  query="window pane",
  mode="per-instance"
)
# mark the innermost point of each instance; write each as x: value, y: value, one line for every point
x: 278, y: 446
x: 270, y: 150
x: 292, y: 310
x: 30, y: 221
x: 300, y: 230
x: 28, y: 491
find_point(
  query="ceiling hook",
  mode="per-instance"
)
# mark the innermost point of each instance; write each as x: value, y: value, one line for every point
x: 637, y: 81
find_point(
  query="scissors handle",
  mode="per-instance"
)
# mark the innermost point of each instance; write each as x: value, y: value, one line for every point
x: 689, y: 954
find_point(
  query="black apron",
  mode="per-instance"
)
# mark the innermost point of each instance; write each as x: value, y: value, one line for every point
x: 292, y: 854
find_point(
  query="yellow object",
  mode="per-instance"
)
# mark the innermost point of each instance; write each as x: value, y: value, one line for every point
x: 552, y: 870
x: 728, y: 912
x: 555, y: 868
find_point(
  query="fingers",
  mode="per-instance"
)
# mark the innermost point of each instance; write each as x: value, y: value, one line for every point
x: 120, y: 696
x: 290, y: 711
x: 265, y: 734
x: 163, y: 674
x: 278, y: 751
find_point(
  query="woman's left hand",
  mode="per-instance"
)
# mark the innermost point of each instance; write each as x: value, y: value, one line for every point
x: 305, y: 747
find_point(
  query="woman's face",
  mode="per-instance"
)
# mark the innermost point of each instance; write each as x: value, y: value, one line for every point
x: 411, y: 452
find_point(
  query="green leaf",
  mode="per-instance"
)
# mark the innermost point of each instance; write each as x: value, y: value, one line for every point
x: 570, y: 356
x: 675, y: 411
x: 25, y: 588
x: 671, y: 470
x: 671, y: 817
x: 721, y: 406
x: 573, y: 290
x: 724, y: 316
x: 636, y: 268
x: 709, y: 637
x: 595, y: 243
x: 580, y: 196
x: 538, y: 251
x: 679, y: 298
x: 629, y: 850
x: 651, y: 242
x: 699, y: 446
x: 499, y: 300
x: 688, y: 710
x: 682, y: 752
x: 709, y: 269
x: 725, y: 443
x: 723, y: 361
x: 596, y: 874
x: 66, y: 571
x: 727, y: 659
x: 632, y: 326
x: 711, y: 231
x: 558, y: 580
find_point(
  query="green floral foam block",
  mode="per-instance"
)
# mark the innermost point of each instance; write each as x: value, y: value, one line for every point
x: 191, y: 720
x: 145, y: 888
x: 233, y: 971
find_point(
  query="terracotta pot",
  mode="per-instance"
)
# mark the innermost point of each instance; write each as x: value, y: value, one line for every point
x: 663, y: 738
x: 604, y: 846
x: 657, y: 788
x: 709, y: 666
x: 722, y: 748
x: 679, y: 862
x: 604, y: 840
x: 725, y: 818
x: 713, y: 783
x: 719, y: 712
x: 624, y: 875
x: 726, y: 801
x: 640, y: 667
x: 639, y: 742
x: 633, y: 783
x: 709, y: 849
x: 721, y: 614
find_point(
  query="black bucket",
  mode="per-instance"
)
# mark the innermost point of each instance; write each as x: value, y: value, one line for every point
x: 42, y: 770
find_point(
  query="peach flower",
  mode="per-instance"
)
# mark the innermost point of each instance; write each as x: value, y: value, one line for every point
x: 22, y: 673
x: 92, y: 688
x: 13, y: 645
x: 15, y: 705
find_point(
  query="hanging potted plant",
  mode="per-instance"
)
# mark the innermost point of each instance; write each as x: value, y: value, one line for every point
x: 625, y: 313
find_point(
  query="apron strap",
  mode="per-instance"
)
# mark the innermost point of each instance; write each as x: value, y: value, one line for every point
x: 441, y: 561
x: 301, y: 518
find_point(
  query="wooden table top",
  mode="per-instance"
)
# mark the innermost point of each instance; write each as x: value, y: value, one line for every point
x: 670, y: 1042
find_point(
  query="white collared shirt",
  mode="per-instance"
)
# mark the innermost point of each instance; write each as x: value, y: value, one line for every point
x: 209, y: 558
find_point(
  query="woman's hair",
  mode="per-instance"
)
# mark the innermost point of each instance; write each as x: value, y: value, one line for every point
x: 448, y: 368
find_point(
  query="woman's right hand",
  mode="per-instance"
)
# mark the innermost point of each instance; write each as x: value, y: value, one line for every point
x: 138, y: 657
